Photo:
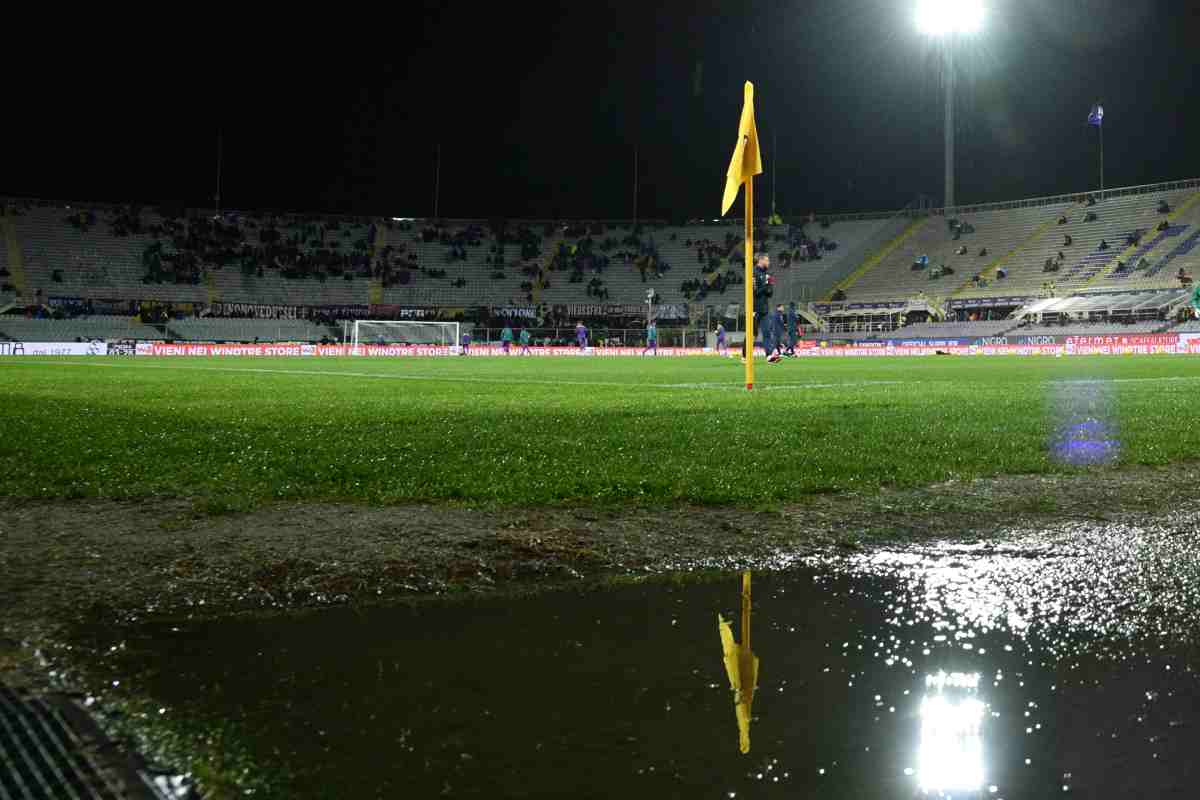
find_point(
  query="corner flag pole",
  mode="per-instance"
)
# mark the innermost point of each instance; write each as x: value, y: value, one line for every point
x: 750, y: 283
x: 745, y: 164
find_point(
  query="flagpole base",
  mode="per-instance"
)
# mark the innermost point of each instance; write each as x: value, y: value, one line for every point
x: 749, y: 387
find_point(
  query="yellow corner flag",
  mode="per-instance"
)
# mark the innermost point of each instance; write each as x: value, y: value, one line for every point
x: 746, y: 161
x: 741, y: 665
x: 745, y: 164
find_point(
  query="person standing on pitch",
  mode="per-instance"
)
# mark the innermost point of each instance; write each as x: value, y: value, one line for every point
x: 774, y: 329
x: 722, y: 348
x: 791, y: 329
x: 506, y: 338
x: 524, y: 341
x: 581, y: 336
x: 762, y: 306
x: 466, y: 344
x: 651, y: 338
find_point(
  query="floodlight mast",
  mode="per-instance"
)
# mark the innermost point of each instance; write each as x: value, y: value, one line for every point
x: 947, y: 20
x: 948, y: 123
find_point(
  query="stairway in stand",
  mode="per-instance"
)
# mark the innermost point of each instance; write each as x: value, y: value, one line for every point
x: 878, y: 257
x: 16, y: 257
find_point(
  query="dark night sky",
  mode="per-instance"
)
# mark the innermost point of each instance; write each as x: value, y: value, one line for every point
x: 538, y: 107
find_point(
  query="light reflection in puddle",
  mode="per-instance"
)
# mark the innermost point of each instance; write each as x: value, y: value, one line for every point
x: 1084, y: 423
x: 1044, y: 658
x: 951, y: 750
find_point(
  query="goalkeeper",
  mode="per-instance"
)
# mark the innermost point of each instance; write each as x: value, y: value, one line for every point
x: 651, y: 339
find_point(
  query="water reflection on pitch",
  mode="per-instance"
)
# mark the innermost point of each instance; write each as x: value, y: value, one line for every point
x: 942, y: 673
x: 951, y: 754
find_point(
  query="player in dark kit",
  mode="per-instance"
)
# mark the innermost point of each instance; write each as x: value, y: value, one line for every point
x: 792, y: 326
x: 775, y: 329
x: 762, y: 296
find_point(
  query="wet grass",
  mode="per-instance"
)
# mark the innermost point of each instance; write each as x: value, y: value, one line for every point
x: 233, y: 433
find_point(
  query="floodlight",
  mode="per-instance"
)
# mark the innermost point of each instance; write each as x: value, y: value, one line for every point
x: 942, y: 17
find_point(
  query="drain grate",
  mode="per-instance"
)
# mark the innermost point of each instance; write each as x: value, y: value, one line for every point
x: 44, y: 757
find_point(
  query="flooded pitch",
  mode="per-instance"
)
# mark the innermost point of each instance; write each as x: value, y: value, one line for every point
x: 1059, y: 663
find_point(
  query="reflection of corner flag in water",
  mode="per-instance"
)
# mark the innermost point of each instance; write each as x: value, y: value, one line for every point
x: 741, y: 665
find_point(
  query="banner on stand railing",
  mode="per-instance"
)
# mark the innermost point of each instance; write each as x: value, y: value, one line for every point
x: 253, y: 311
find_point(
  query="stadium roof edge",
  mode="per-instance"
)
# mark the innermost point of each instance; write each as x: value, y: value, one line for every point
x: 735, y: 221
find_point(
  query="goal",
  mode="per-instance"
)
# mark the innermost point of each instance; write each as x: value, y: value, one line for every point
x: 386, y: 332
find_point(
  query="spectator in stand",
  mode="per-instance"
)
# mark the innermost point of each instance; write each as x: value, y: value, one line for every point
x: 1062, y: 219
x: 982, y: 252
x: 1162, y: 226
x: 581, y: 336
x: 1067, y: 240
x: 506, y: 338
x: 1089, y: 216
x: 1163, y: 208
x: 1103, y: 245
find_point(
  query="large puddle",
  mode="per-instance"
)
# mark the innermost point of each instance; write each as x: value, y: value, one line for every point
x: 1057, y: 665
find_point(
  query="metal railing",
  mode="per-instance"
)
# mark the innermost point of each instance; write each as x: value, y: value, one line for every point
x: 597, y: 336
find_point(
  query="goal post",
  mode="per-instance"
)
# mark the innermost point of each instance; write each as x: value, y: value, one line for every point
x: 392, y: 332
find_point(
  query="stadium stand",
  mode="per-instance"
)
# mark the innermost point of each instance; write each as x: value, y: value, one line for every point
x: 1092, y: 329
x: 192, y: 259
x: 250, y: 330
x: 1021, y: 239
x: 70, y: 330
x: 953, y: 330
x: 302, y: 260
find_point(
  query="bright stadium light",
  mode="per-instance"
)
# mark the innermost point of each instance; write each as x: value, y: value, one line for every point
x: 941, y: 17
x: 948, y: 20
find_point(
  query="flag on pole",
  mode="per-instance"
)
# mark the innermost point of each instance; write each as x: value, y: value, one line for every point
x: 746, y: 161
x: 1096, y: 115
x: 745, y: 164
x: 741, y: 665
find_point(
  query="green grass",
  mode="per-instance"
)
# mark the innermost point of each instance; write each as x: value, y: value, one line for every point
x: 238, y: 432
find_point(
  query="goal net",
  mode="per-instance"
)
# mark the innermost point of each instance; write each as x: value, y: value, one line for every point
x: 376, y: 332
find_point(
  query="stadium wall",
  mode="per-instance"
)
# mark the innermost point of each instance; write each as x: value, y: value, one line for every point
x: 1173, y: 343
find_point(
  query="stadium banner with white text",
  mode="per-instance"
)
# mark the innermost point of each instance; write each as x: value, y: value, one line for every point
x: 807, y: 350
x: 253, y: 311
x: 514, y: 312
x: 106, y: 307
x: 397, y: 312
x: 93, y: 348
x: 597, y: 310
